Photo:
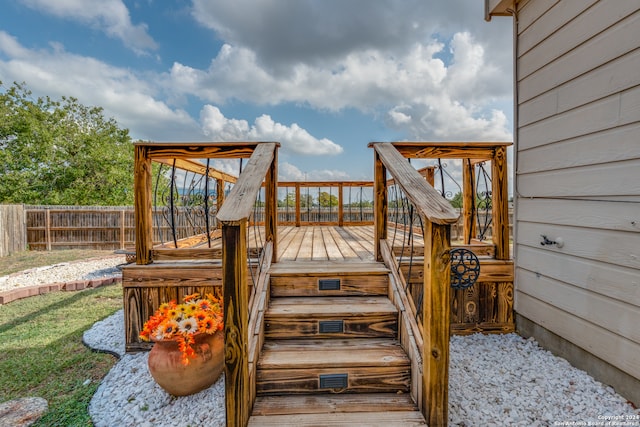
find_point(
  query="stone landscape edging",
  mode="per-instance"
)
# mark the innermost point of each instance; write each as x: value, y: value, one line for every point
x: 75, y: 285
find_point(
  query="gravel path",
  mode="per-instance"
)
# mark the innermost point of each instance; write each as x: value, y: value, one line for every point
x: 64, y: 272
x: 494, y: 380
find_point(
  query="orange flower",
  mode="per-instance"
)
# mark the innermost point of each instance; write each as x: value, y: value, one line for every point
x: 181, y: 322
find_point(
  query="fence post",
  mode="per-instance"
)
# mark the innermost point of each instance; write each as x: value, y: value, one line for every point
x: 47, y: 231
x: 122, y: 229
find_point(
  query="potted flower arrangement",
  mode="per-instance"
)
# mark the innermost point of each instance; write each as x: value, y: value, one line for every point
x: 188, y: 351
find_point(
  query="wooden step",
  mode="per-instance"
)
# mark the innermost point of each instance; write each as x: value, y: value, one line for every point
x: 362, y: 365
x: 333, y: 403
x: 331, y: 317
x: 350, y: 419
x: 328, y: 278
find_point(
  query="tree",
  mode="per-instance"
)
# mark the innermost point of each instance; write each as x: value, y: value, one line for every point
x: 61, y: 152
x: 326, y: 200
x: 288, y: 201
x: 456, y: 202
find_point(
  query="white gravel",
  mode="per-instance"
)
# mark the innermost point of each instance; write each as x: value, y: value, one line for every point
x: 64, y: 272
x: 494, y: 380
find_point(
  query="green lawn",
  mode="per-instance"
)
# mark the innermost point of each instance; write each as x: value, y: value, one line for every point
x: 41, y: 350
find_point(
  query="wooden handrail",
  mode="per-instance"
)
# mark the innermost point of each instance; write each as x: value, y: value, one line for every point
x: 437, y: 215
x: 424, y: 197
x: 240, y: 201
x: 234, y: 216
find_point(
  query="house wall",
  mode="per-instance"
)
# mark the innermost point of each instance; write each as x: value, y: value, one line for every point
x: 578, y: 181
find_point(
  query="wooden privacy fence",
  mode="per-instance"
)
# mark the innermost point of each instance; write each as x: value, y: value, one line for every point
x: 110, y: 228
x: 13, y: 236
x: 99, y: 227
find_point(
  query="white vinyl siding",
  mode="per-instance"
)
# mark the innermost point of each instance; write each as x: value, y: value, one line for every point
x: 578, y: 174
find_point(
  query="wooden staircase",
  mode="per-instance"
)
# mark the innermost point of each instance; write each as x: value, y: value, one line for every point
x: 331, y: 356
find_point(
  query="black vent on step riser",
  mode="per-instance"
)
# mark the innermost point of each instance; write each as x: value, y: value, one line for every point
x: 331, y: 327
x: 334, y: 381
x: 329, y: 284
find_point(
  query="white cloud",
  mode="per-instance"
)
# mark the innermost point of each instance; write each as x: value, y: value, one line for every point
x: 124, y: 95
x: 293, y: 138
x: 109, y: 16
x: 290, y: 172
x: 421, y: 95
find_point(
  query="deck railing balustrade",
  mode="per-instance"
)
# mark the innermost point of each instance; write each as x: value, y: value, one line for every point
x: 413, y: 236
x: 235, y: 217
x: 436, y: 215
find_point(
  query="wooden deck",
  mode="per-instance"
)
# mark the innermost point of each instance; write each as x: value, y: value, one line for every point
x: 325, y: 243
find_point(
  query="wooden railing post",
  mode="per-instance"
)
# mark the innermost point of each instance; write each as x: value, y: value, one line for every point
x: 468, y: 200
x: 143, y: 205
x: 380, y: 204
x: 219, y: 197
x: 271, y: 206
x: 234, y: 216
x: 436, y: 322
x: 297, y: 204
x: 340, y: 205
x: 236, y: 323
x: 500, y: 205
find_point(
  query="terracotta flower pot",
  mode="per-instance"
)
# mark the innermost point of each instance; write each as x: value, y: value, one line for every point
x: 202, y: 371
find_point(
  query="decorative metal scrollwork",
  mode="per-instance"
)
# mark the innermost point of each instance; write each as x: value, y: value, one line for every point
x: 465, y: 268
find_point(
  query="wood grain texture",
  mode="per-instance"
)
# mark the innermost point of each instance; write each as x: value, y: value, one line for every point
x: 361, y: 317
x: 499, y: 203
x: 424, y: 197
x: 146, y: 287
x: 447, y: 150
x: 199, y: 150
x: 142, y: 205
x: 380, y: 204
x: 271, y: 205
x: 436, y: 322
x: 237, y: 384
x: 468, y: 200
x: 369, y: 419
x: 361, y: 379
x: 333, y: 403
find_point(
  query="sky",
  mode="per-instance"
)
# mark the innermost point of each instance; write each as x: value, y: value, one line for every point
x: 322, y: 77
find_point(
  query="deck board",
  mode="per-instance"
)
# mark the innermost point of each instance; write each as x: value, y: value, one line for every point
x: 325, y: 243
x: 319, y: 250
